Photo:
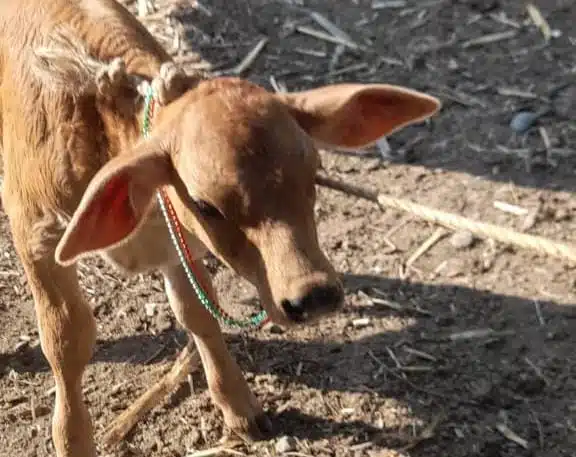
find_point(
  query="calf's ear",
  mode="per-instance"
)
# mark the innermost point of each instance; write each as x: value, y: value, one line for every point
x: 351, y: 116
x: 115, y: 201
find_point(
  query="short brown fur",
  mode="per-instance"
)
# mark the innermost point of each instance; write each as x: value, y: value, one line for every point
x: 237, y: 161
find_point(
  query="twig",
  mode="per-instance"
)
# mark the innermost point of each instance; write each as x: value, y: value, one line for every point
x: 509, y: 208
x: 511, y: 92
x: 337, y: 54
x: 397, y: 227
x: 510, y: 435
x: 438, y: 234
x: 326, y: 37
x: 384, y: 148
x: 278, y: 87
x: 145, y: 7
x: 415, y: 368
x: 311, y: 52
x: 491, y: 38
x: 201, y: 7
x: 503, y: 19
x: 427, y: 433
x: 478, y: 334
x: 330, y: 27
x: 421, y: 354
x: 9, y: 273
x: 546, y: 140
x: 156, y: 354
x: 388, y: 4
x: 537, y: 371
x: 187, y: 361
x: 391, y: 246
x: 539, y: 21
x: 538, y: 309
x: 539, y: 427
x: 381, y: 301
x: 250, y: 57
x: 348, y: 69
x: 215, y: 451
x: 393, y: 357
x: 456, y: 222
x: 416, y: 388
x: 395, y: 306
x: 33, y: 408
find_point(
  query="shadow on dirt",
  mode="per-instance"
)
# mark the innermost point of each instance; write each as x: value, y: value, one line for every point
x: 432, y: 366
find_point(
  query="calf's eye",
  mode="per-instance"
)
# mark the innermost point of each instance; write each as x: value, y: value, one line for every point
x: 207, y: 210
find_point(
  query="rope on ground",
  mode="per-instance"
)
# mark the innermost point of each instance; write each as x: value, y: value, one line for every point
x: 456, y: 222
x: 187, y: 361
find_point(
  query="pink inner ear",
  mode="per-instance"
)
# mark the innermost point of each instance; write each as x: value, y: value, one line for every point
x: 111, y: 217
x: 116, y: 197
x: 107, y: 219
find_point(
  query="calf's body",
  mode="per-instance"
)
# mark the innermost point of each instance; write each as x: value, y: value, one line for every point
x: 237, y: 162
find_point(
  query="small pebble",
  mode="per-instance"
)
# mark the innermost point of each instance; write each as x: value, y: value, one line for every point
x: 462, y: 239
x: 285, y: 444
x: 384, y: 148
x: 150, y: 309
x: 361, y: 322
x: 164, y: 321
x: 274, y: 328
x: 523, y: 120
x: 530, y: 221
x: 561, y: 214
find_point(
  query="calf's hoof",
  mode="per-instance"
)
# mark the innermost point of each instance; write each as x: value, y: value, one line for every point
x: 258, y: 428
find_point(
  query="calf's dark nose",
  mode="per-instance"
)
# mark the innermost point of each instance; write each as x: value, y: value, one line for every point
x: 318, y: 300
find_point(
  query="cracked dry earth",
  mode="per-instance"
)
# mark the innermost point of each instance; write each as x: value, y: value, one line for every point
x: 412, y: 373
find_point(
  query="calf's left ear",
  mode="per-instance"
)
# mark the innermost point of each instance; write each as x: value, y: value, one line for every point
x: 116, y: 201
x: 351, y: 116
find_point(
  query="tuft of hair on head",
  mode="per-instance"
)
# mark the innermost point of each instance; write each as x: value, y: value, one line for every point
x: 64, y: 64
x: 173, y: 82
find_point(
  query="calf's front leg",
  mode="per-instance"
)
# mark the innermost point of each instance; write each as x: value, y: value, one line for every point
x: 228, y: 388
x: 66, y: 327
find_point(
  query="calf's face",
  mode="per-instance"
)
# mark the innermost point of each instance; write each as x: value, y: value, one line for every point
x: 241, y: 164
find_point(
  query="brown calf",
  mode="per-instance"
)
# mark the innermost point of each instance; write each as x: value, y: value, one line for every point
x: 237, y: 162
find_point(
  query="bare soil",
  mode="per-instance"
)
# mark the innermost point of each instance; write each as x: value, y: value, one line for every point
x: 387, y: 377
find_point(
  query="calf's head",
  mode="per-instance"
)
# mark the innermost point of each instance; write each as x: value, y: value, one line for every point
x: 240, y: 164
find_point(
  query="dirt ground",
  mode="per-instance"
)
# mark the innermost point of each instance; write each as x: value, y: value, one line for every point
x: 395, y: 376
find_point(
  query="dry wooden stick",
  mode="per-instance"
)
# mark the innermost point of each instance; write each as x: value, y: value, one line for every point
x: 456, y: 222
x: 250, y: 57
x: 438, y: 234
x: 539, y: 21
x: 326, y: 37
x: 188, y: 360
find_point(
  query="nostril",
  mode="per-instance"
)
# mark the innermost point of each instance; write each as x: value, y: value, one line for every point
x: 294, y: 310
x: 317, y: 301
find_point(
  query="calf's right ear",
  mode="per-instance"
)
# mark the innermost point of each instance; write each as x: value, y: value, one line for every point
x: 115, y: 201
x: 351, y: 116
